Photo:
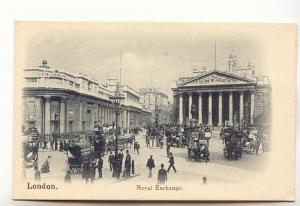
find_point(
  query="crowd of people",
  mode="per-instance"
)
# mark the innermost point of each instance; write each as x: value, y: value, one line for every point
x: 120, y: 164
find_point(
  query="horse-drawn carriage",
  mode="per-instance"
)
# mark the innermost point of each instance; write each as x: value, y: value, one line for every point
x: 197, y: 145
x: 30, y: 148
x: 77, y: 153
x: 249, y: 140
x: 123, y: 142
x: 176, y: 139
x: 232, y: 144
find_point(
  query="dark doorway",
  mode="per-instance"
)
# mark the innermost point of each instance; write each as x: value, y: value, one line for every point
x: 205, y: 108
x: 215, y: 109
x: 247, y: 107
x: 225, y: 112
x: 236, y: 107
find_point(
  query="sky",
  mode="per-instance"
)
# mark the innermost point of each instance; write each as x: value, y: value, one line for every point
x: 152, y: 54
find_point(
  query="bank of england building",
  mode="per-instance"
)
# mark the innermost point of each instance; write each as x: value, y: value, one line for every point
x: 60, y: 103
x: 219, y: 97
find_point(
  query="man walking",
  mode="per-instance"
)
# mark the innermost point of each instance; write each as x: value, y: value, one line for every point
x: 150, y: 165
x: 93, y: 171
x: 138, y: 147
x: 55, y: 144
x: 162, y: 176
x: 168, y: 148
x: 148, y: 141
x: 110, y: 160
x: 127, y: 165
x: 100, y: 166
x: 86, y: 171
x: 172, y: 162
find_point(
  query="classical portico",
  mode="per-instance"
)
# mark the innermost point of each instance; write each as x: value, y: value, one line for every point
x: 214, y: 98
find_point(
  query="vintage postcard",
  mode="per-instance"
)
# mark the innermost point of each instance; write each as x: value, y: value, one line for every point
x: 154, y: 111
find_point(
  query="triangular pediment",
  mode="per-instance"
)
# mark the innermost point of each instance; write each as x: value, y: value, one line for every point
x: 216, y: 78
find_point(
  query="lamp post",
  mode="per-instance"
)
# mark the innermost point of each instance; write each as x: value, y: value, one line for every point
x: 117, y: 101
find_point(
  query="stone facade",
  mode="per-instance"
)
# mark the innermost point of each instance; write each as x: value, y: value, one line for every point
x: 157, y: 102
x: 60, y: 103
x: 216, y: 97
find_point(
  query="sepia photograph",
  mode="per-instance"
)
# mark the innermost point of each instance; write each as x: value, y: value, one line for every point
x: 154, y: 111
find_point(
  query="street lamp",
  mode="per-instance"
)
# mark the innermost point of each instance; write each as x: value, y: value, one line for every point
x: 117, y: 101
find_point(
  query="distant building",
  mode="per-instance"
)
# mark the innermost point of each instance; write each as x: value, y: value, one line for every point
x: 61, y: 103
x: 215, y: 97
x: 157, y: 102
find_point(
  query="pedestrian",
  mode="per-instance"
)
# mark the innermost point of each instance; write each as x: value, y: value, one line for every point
x: 258, y: 143
x: 67, y: 178
x: 161, y: 141
x: 37, y: 173
x: 127, y: 165
x: 61, y: 145
x: 204, y: 180
x: 148, y: 141
x: 51, y: 144
x: 121, y: 156
x: 168, y: 148
x: 110, y: 160
x: 134, y: 146
x: 93, y: 171
x: 55, y: 144
x: 45, y: 143
x: 162, y: 176
x: 116, y: 166
x: 171, y: 163
x: 86, y: 171
x: 138, y: 147
x: 100, y: 166
x: 150, y: 164
x: 46, y: 166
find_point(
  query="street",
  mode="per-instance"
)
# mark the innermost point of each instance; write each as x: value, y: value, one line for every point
x: 217, y: 170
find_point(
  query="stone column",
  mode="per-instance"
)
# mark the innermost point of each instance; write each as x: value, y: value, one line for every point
x: 220, y: 117
x: 230, y: 108
x: 124, y: 119
x: 180, y: 109
x: 113, y: 116
x: 199, y: 108
x: 47, y: 115
x: 67, y: 116
x: 91, y: 126
x: 109, y: 115
x: 252, y: 108
x: 101, y: 114
x: 80, y: 116
x: 241, y: 106
x: 128, y: 119
x: 209, y: 109
x: 38, y: 114
x: 62, y: 116
x: 104, y: 114
x: 190, y: 106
